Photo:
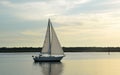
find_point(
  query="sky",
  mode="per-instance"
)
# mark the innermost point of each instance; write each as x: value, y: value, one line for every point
x: 78, y: 23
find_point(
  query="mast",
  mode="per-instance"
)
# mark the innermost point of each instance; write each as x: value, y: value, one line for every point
x: 49, y: 37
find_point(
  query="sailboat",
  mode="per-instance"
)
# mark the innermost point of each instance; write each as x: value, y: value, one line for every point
x: 52, y: 50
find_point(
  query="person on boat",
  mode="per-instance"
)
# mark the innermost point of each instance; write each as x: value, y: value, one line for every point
x: 40, y: 54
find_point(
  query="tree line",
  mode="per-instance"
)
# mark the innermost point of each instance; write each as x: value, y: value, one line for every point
x: 66, y: 49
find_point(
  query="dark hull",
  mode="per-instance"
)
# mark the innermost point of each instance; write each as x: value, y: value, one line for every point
x: 35, y: 60
x: 48, y: 59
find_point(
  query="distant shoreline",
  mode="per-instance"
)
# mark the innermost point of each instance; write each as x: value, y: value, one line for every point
x: 66, y: 49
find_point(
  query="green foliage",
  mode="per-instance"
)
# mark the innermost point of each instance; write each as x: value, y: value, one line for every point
x: 66, y: 49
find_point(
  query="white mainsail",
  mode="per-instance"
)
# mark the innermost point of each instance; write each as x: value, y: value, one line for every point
x: 51, y: 44
x: 46, y: 45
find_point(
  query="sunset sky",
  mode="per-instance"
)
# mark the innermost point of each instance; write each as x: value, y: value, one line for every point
x: 91, y: 23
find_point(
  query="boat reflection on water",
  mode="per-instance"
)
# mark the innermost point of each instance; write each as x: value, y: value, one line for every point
x: 50, y: 68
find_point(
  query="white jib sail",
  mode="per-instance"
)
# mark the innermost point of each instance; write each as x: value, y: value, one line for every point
x: 56, y: 48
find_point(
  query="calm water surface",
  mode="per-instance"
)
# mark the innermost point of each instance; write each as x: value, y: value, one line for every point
x: 73, y: 64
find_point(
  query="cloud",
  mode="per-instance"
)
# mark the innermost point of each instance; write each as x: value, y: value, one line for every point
x: 98, y: 28
x: 111, y: 2
x: 28, y: 38
x: 107, y: 5
x: 90, y: 19
x: 46, y: 3
x: 31, y: 33
x: 37, y: 9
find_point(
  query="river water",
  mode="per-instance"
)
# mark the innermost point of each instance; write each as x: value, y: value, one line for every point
x: 76, y: 63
